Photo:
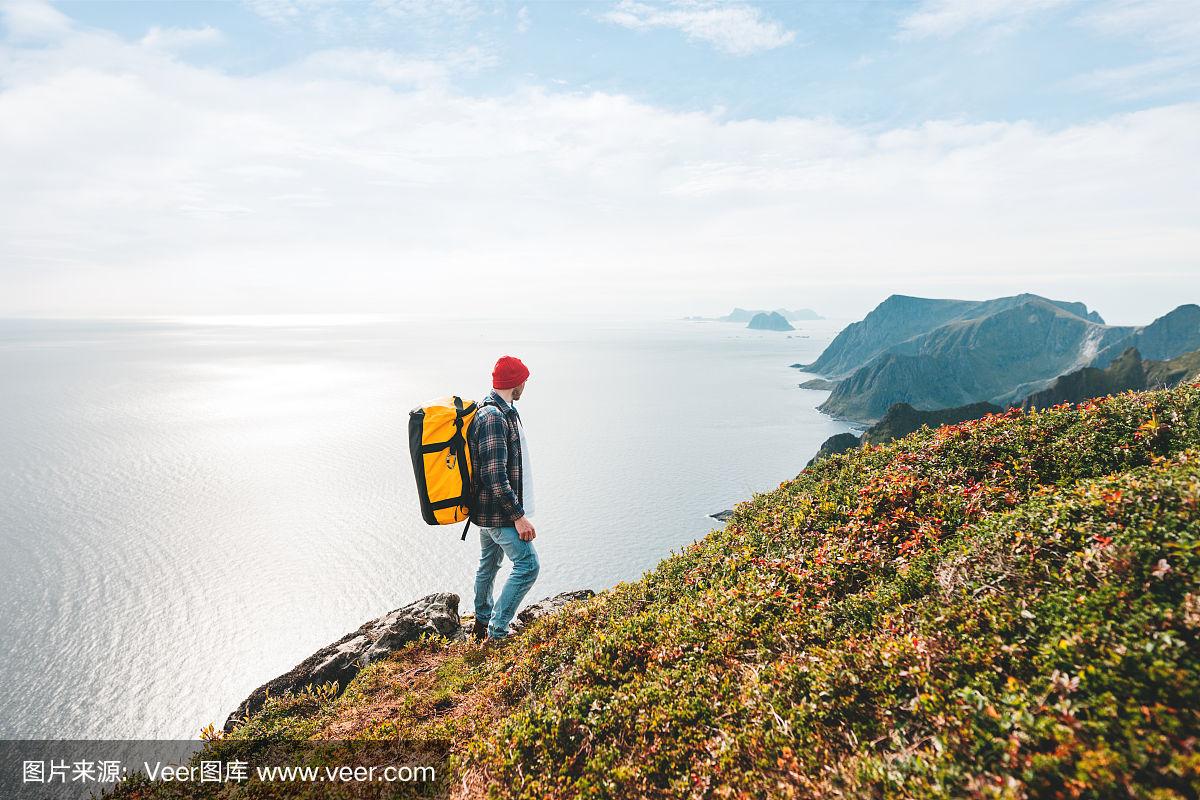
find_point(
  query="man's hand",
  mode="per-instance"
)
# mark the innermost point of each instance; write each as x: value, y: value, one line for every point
x: 525, y: 529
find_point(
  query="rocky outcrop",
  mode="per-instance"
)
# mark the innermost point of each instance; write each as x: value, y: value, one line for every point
x: 838, y: 443
x: 339, y: 662
x: 547, y: 606
x: 820, y: 384
x: 772, y: 321
x: 435, y: 614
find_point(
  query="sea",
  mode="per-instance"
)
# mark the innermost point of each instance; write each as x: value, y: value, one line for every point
x: 191, y: 506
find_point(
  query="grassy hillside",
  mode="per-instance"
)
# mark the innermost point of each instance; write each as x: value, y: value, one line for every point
x: 1007, y: 607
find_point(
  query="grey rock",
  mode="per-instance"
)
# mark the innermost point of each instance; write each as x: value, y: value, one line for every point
x: 722, y: 516
x: 435, y: 614
x: 546, y: 606
x: 838, y: 443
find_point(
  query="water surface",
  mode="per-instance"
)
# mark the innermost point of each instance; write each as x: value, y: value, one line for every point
x: 191, y: 507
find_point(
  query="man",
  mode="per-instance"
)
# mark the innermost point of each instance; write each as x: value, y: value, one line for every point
x: 502, y: 500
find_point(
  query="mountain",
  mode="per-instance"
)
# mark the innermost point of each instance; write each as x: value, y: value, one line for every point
x: 998, y: 352
x: 900, y: 318
x: 1128, y: 373
x: 894, y: 320
x: 1006, y: 607
x: 1181, y: 369
x: 772, y: 321
x: 1167, y: 337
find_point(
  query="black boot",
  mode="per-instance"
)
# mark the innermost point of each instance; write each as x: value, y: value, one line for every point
x: 479, y: 630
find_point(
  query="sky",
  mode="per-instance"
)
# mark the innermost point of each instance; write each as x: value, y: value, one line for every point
x: 518, y: 159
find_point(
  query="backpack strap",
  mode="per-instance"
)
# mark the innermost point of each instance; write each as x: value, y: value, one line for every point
x: 460, y: 442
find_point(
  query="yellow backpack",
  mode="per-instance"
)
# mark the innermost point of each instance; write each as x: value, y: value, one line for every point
x: 441, y: 456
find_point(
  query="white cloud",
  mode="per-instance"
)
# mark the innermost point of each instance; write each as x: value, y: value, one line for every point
x: 1143, y: 79
x: 944, y: 18
x: 181, y: 38
x: 523, y: 21
x: 735, y: 29
x: 1171, y: 24
x: 1171, y: 28
x: 32, y: 20
x: 361, y: 180
x: 385, y: 66
x: 335, y: 17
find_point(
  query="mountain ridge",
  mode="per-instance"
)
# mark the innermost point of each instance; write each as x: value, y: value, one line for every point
x: 1129, y: 372
x: 901, y: 317
x: 997, y: 351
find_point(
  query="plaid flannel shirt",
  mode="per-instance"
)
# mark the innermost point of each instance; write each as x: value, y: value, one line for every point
x: 495, y: 464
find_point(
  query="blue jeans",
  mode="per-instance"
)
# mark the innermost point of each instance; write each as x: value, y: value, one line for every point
x: 494, y: 544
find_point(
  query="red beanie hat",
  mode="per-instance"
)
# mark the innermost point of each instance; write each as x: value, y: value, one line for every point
x: 508, y: 372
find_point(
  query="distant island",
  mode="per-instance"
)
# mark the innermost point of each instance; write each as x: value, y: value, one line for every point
x: 745, y: 315
x: 773, y: 321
